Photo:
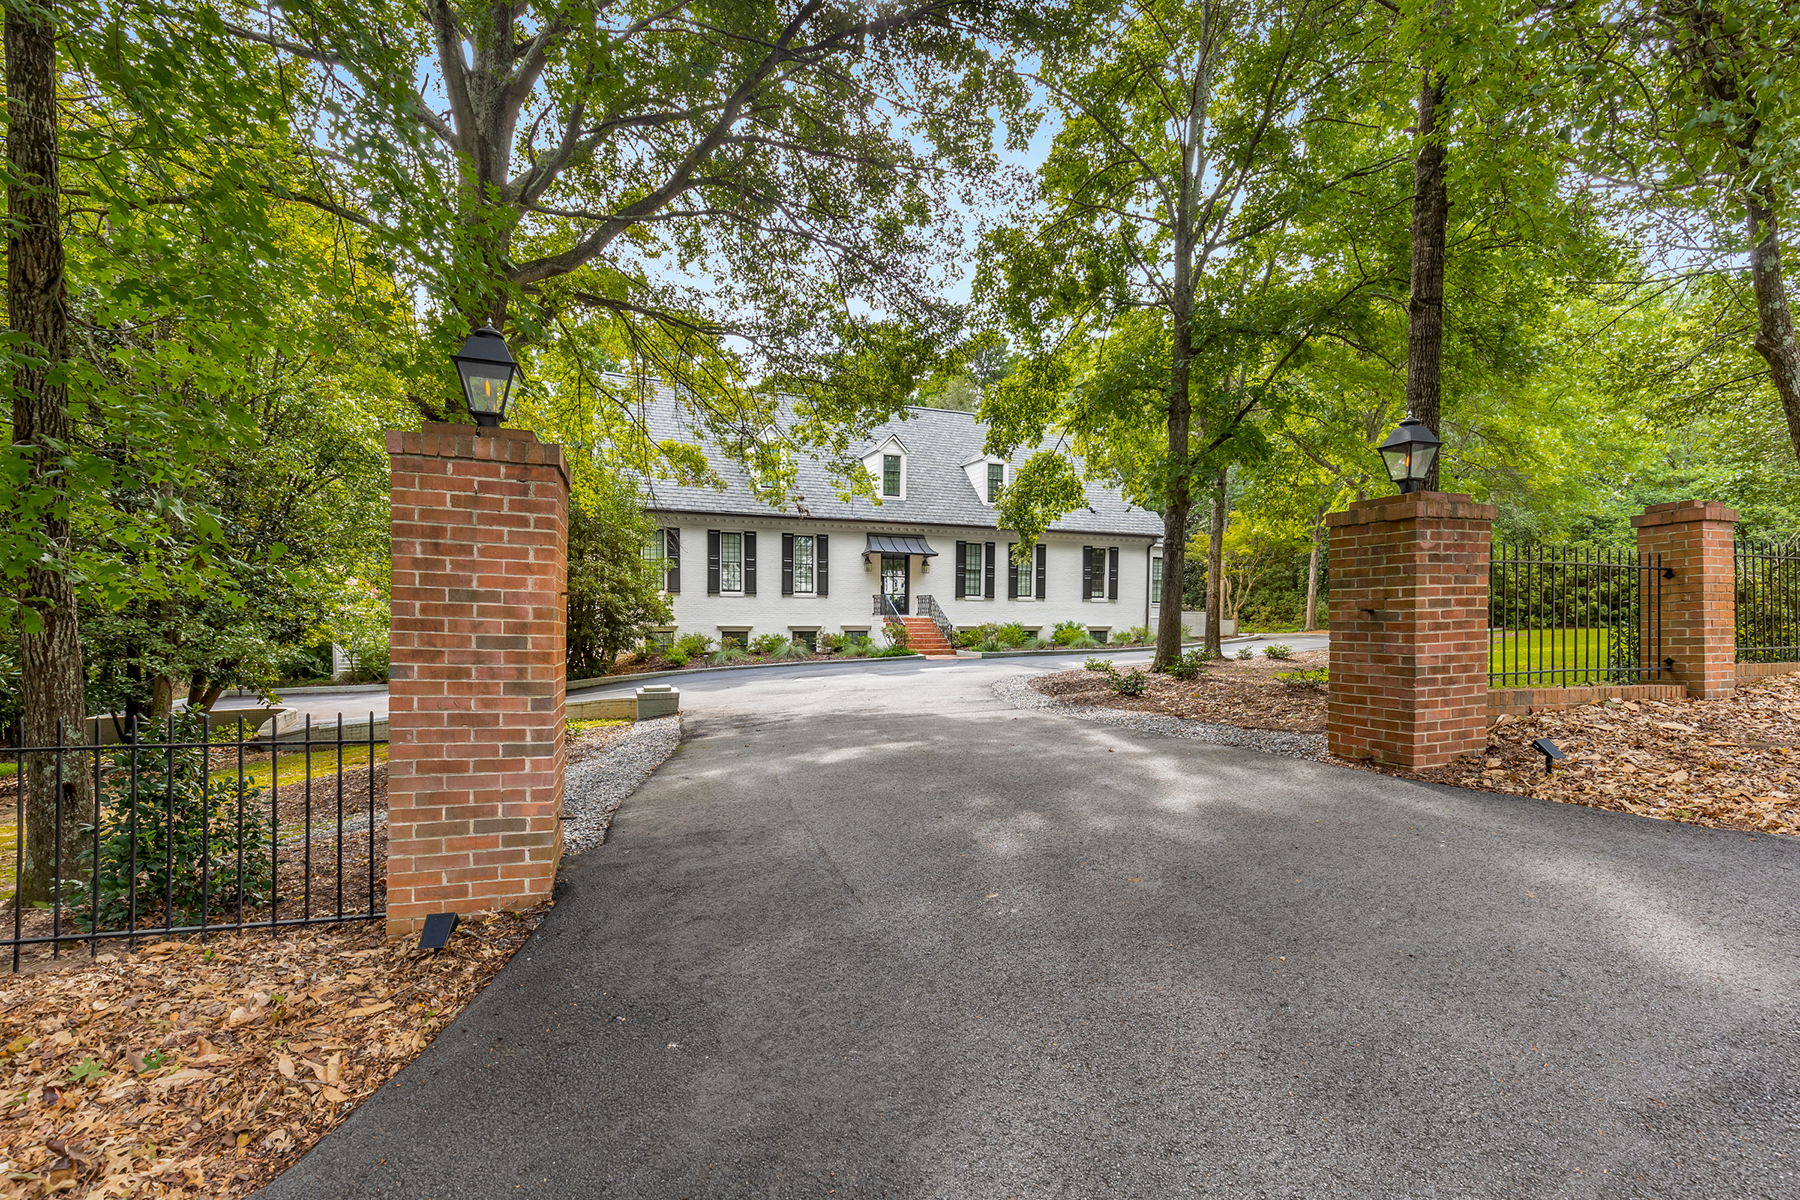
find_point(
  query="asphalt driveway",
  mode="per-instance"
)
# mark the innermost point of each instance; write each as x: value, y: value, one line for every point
x: 877, y: 935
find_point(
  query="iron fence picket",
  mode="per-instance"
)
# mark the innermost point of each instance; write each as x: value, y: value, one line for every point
x: 123, y: 777
x: 1571, y: 616
x: 1767, y: 591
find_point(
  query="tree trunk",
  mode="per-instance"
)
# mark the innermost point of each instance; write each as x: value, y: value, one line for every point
x: 1775, y: 339
x: 1312, y: 576
x: 1215, y: 564
x: 1425, y: 307
x: 50, y: 665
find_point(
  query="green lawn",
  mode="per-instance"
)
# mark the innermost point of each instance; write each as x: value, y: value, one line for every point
x: 1572, y: 656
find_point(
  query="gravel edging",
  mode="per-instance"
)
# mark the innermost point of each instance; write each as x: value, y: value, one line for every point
x: 1018, y: 692
x: 593, y: 790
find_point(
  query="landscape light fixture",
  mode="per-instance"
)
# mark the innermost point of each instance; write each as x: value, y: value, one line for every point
x: 1550, y: 750
x: 438, y: 928
x: 1409, y: 452
x: 488, y: 373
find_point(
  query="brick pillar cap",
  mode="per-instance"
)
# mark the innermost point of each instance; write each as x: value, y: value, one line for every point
x: 1441, y: 506
x: 1680, y: 512
x: 444, y: 439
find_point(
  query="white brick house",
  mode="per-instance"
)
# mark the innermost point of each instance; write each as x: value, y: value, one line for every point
x: 736, y: 566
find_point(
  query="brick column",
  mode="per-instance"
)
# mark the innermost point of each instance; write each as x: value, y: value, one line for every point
x: 1699, y: 603
x: 1409, y: 639
x: 476, y: 670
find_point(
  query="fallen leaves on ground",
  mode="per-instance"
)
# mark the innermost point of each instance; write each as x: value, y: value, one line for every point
x: 1728, y: 763
x: 1244, y: 693
x: 190, y: 1071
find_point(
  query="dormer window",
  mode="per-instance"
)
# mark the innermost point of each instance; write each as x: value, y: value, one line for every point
x: 996, y: 473
x: 890, y: 475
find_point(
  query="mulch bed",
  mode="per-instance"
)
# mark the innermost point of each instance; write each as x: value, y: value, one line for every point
x: 196, y: 1071
x: 1244, y: 693
x: 1728, y: 763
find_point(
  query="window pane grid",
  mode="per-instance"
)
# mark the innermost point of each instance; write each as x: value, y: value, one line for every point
x: 731, y: 562
x: 803, y: 564
x: 890, y: 474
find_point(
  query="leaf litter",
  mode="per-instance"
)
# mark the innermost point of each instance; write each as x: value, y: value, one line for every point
x: 204, y: 1071
x: 1731, y: 763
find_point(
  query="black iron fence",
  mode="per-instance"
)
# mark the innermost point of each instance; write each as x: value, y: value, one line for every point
x: 1569, y: 616
x: 177, y: 831
x: 1768, y: 601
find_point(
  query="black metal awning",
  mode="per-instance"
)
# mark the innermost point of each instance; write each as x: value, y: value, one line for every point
x: 883, y: 543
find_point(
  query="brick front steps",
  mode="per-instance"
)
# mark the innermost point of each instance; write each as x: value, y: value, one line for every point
x: 923, y: 635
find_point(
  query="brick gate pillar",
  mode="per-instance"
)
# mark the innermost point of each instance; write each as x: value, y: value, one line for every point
x: 1409, y: 629
x: 1699, y: 601
x: 476, y: 670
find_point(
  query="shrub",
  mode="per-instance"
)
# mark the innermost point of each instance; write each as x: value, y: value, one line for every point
x: 898, y: 650
x: 1131, y: 683
x: 727, y: 655
x: 1278, y: 651
x: 830, y: 643
x: 1034, y: 643
x: 1137, y: 635
x: 1068, y: 633
x: 991, y: 646
x: 767, y: 643
x: 1002, y: 637
x: 1246, y: 654
x: 1102, y: 665
x: 854, y: 647
x: 175, y: 833
x: 1316, y: 679
x: 897, y: 636
x: 693, y: 645
x: 675, y: 658
x: 787, y: 649
x: 1189, y: 665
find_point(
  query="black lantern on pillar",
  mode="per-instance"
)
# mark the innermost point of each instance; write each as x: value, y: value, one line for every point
x: 1409, y: 452
x: 488, y: 373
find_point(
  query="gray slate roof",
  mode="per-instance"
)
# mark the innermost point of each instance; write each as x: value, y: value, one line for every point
x: 938, y: 442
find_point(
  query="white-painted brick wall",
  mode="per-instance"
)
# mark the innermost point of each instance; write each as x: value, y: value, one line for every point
x: 854, y: 585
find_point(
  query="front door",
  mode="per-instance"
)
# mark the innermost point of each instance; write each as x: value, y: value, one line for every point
x: 896, y: 580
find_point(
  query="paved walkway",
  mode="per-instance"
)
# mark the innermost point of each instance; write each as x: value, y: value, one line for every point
x: 875, y: 934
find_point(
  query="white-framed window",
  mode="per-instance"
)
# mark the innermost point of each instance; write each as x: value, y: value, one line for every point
x: 890, y: 475
x: 805, y: 637
x: 654, y: 551
x: 734, y: 637
x: 1025, y: 578
x: 1156, y: 580
x: 731, y: 562
x: 1099, y: 635
x: 803, y: 565
x: 996, y: 479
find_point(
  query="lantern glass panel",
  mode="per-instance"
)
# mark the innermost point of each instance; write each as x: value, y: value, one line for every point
x: 486, y: 385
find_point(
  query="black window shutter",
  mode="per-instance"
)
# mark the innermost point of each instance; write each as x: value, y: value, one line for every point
x: 787, y: 564
x: 749, y: 563
x: 1112, y: 573
x: 987, y: 579
x: 822, y: 565
x: 1012, y: 572
x: 672, y: 552
x: 1043, y: 568
x: 712, y: 562
x: 1087, y: 572
x: 962, y: 570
